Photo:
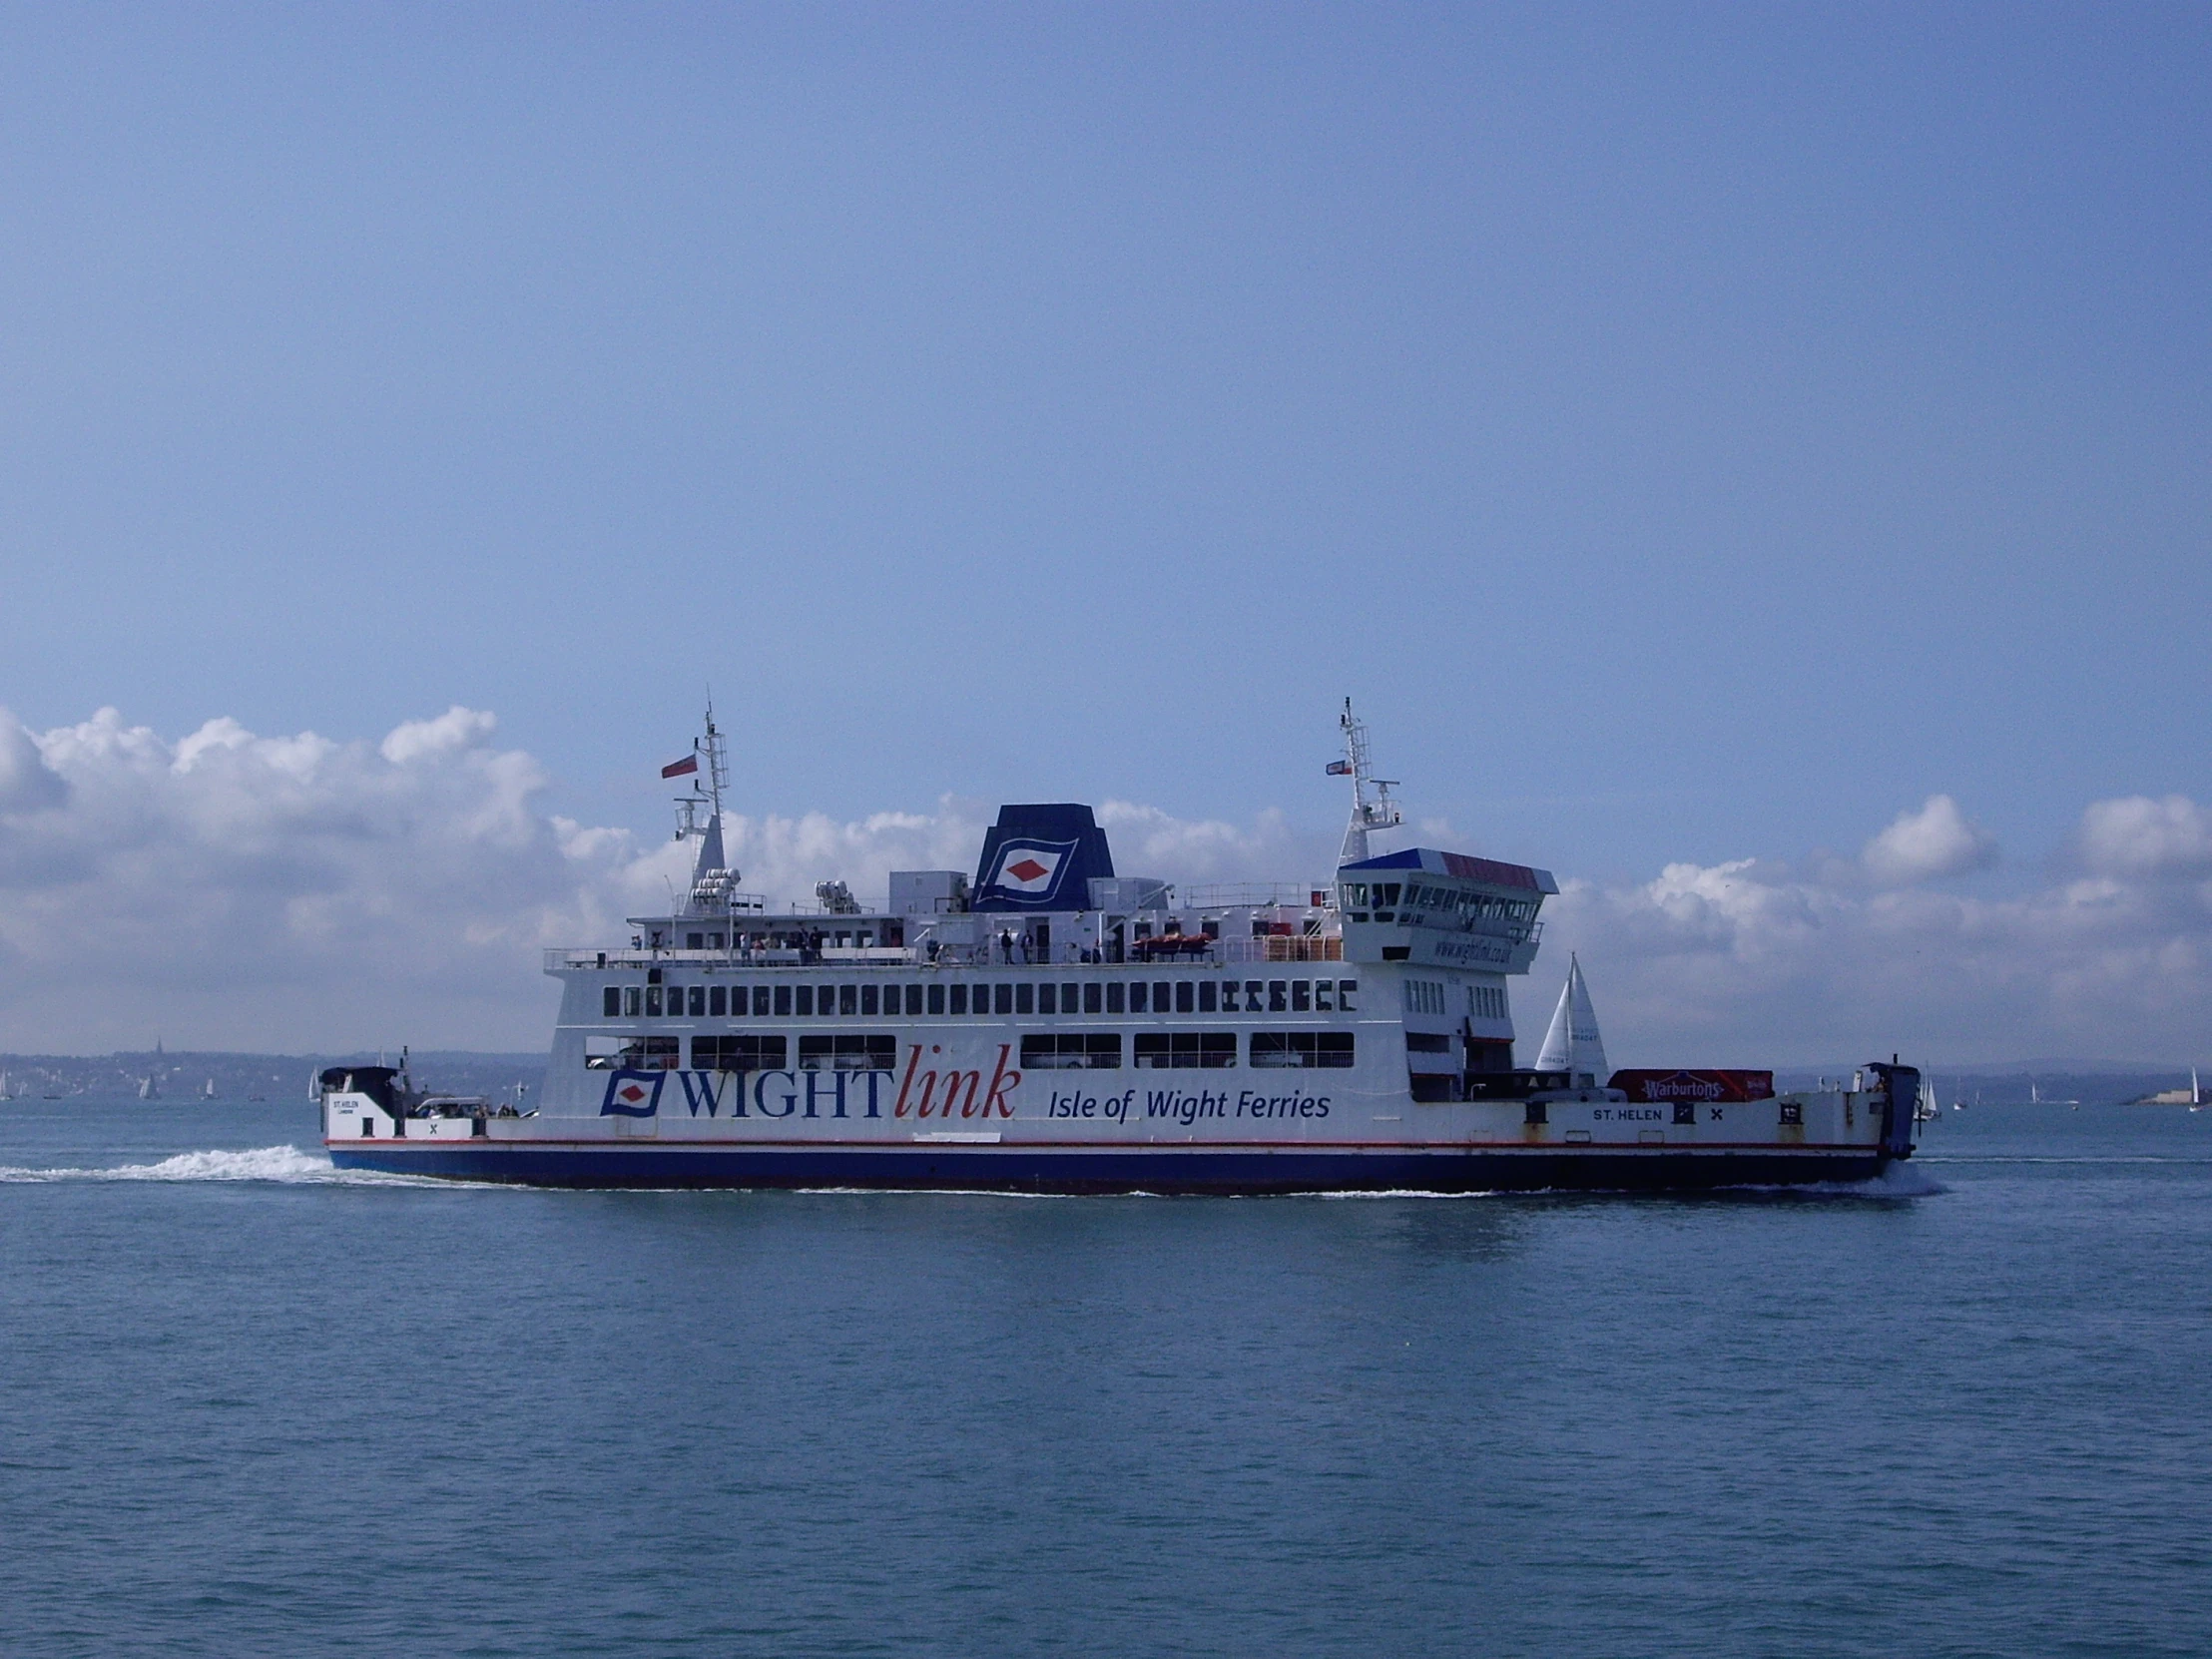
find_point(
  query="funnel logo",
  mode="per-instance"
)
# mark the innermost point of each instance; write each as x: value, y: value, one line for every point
x: 1028, y: 869
x: 632, y: 1094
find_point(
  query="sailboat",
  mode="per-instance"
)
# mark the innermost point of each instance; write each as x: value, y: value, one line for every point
x: 208, y: 1093
x: 150, y: 1086
x: 1572, y: 1044
x: 2036, y: 1097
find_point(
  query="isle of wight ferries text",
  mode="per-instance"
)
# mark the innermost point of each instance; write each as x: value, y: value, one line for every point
x: 928, y: 1088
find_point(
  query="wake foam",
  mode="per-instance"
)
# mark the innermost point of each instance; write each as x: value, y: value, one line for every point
x: 284, y: 1165
x: 1898, y: 1180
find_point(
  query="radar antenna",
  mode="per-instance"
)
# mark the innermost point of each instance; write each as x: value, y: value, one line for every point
x: 1376, y: 810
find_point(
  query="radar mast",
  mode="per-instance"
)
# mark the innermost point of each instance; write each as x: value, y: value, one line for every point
x: 712, y: 882
x: 1372, y: 806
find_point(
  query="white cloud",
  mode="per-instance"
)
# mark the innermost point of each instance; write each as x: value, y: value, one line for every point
x: 2138, y: 837
x: 228, y: 889
x: 1937, y: 840
x: 1755, y: 962
x: 291, y: 893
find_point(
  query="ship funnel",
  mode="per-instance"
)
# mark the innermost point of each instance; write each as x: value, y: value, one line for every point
x: 1572, y: 1044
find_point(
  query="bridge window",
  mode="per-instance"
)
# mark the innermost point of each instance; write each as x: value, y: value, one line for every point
x: 1427, y: 1042
x: 1072, y: 1051
x: 1186, y: 1050
x: 1329, y: 1049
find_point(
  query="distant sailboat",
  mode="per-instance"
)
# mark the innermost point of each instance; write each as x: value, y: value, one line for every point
x: 1572, y: 1044
x: 149, y: 1087
x: 208, y: 1093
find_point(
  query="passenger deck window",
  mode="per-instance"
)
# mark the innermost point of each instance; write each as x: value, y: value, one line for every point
x: 1207, y: 995
x: 1301, y: 994
x: 1004, y: 999
x: 697, y: 996
x: 1025, y: 997
x: 849, y: 1001
x: 1116, y: 994
x: 847, y: 1051
x: 718, y: 1002
x: 746, y: 1053
x: 610, y: 1002
x: 1330, y: 1049
x: 1049, y: 999
x: 1186, y: 997
x: 1186, y: 1050
x: 1137, y: 991
x: 784, y: 1000
x: 1072, y: 1051
x: 959, y: 999
x: 1092, y: 997
x: 936, y: 1000
x: 806, y: 995
x: 653, y: 1001
x: 1344, y: 990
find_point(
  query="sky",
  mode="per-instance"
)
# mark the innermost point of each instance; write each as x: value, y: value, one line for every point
x: 1750, y: 462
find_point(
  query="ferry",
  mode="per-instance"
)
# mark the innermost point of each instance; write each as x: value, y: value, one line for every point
x: 1048, y: 1025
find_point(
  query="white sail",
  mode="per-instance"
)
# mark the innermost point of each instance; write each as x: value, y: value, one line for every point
x: 1573, y: 1045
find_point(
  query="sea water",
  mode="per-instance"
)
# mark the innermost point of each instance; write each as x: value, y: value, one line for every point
x: 248, y: 1406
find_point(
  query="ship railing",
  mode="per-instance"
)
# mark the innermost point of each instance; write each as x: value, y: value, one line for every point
x: 1255, y: 895
x: 1186, y: 951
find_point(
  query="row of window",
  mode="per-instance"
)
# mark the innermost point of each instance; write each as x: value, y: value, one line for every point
x: 1045, y: 1051
x: 1140, y: 997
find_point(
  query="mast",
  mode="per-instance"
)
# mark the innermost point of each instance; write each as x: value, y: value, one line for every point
x: 1376, y: 810
x: 711, y: 879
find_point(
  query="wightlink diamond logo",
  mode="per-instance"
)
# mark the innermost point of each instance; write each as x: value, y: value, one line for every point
x: 632, y: 1094
x: 1029, y: 868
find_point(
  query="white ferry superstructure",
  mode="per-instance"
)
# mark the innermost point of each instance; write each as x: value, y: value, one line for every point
x: 1054, y: 1027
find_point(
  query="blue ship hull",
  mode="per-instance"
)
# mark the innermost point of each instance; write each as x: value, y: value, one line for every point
x: 1168, y: 1171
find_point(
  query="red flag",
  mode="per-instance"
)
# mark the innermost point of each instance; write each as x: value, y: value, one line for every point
x: 690, y: 762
